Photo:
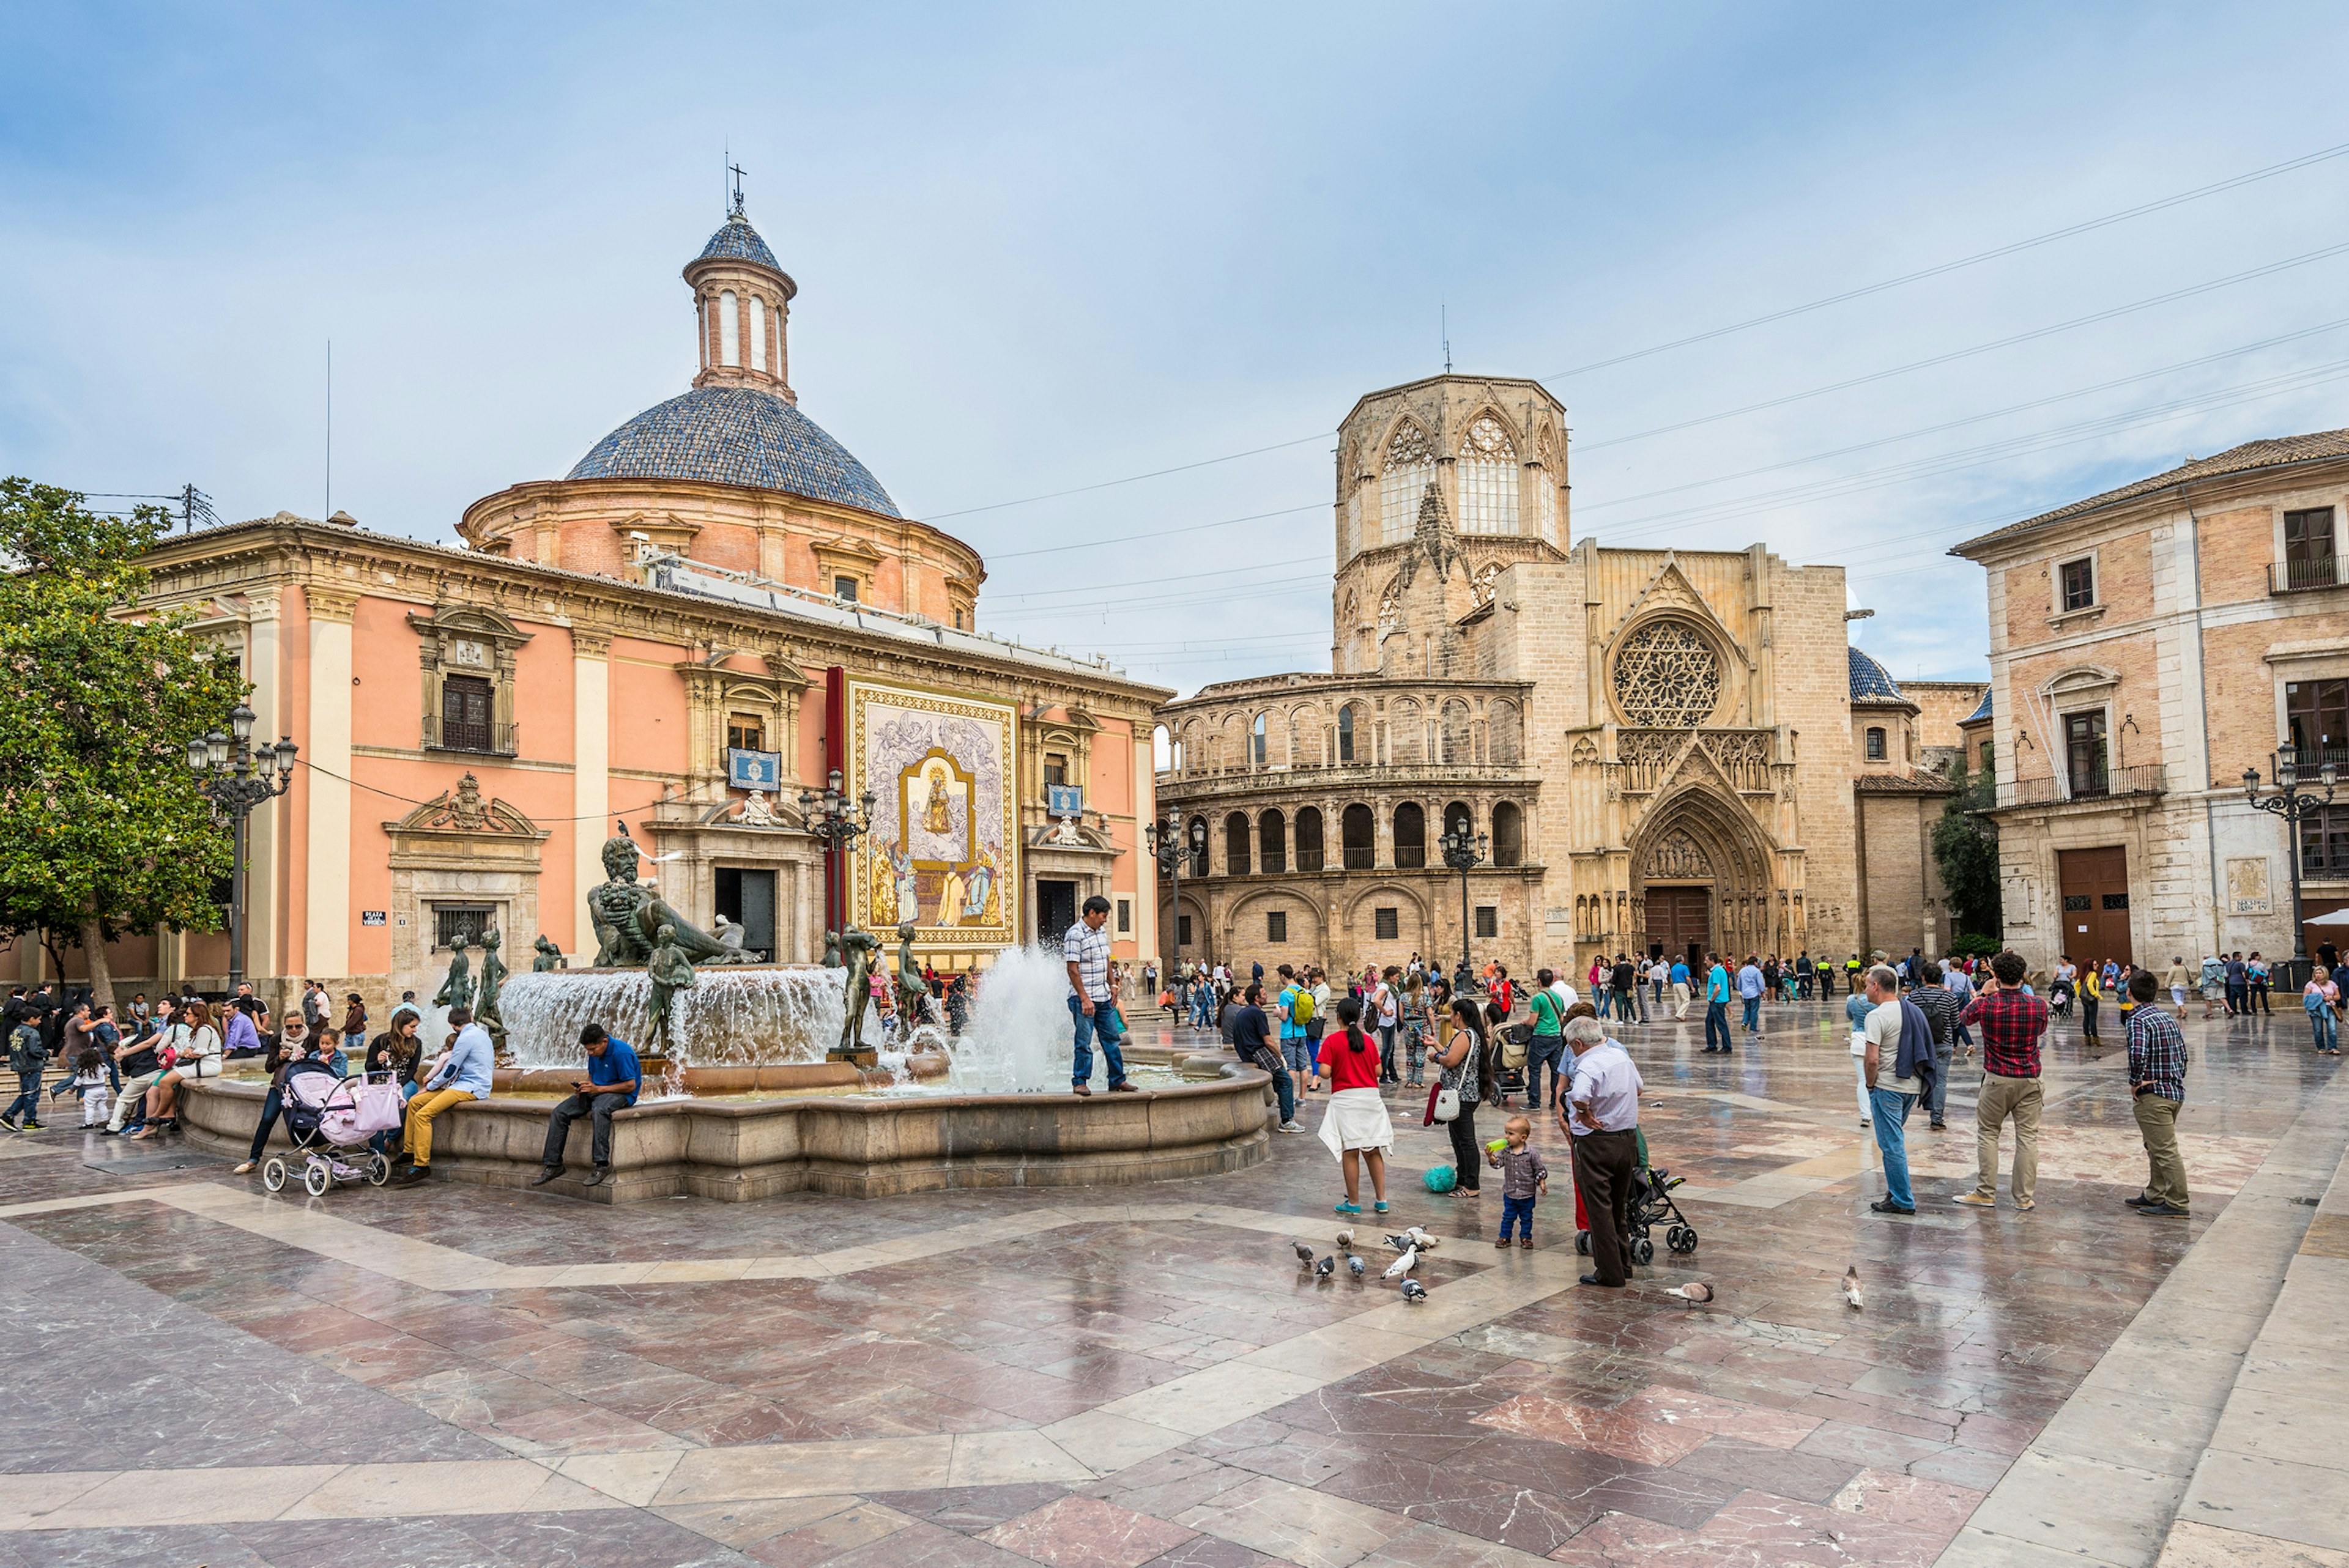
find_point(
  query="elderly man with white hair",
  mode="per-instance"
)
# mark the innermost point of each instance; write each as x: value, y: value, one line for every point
x: 1602, y: 1110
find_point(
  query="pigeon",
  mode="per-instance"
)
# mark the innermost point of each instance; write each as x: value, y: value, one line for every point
x: 1327, y: 1266
x: 1421, y: 1239
x: 1356, y: 1266
x: 1695, y: 1290
x: 1404, y: 1265
x: 1412, y: 1291
x: 1346, y: 1238
x: 1399, y: 1241
x: 1304, y: 1256
x: 1851, y: 1285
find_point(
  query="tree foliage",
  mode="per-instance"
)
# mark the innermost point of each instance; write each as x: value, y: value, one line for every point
x: 1965, y: 847
x: 102, y: 830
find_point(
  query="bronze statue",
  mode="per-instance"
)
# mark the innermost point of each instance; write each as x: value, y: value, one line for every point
x: 670, y: 972
x: 913, y: 991
x: 494, y: 977
x: 831, y: 959
x: 627, y: 918
x: 457, y: 990
x: 860, y: 946
x: 549, y: 956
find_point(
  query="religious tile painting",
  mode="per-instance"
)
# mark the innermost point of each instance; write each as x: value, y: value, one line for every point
x: 945, y: 846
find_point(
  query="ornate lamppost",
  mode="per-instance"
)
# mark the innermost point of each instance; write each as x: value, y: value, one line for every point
x: 1166, y: 842
x: 1463, y: 854
x: 236, y: 780
x: 839, y: 821
x: 2291, y: 803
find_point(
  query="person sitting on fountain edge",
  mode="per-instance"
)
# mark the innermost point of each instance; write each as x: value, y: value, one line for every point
x: 1090, y: 1005
x: 613, y: 1079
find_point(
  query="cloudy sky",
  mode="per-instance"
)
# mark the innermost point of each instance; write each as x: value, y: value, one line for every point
x: 1043, y: 248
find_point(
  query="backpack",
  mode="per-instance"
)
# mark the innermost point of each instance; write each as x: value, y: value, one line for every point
x: 1301, y: 1007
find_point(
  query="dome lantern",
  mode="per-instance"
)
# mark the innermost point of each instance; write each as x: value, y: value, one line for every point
x: 741, y: 306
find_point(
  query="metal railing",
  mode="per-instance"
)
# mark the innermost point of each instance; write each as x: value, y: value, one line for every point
x: 2113, y: 784
x: 485, y: 739
x: 2305, y: 576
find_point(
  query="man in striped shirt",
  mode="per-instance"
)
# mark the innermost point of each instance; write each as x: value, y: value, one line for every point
x: 2156, y: 1069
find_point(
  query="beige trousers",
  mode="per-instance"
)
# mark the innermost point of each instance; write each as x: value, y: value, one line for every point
x: 1680, y: 998
x: 2156, y: 1119
x: 2002, y: 1098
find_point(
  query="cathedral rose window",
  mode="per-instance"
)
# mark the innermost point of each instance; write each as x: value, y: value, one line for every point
x: 1667, y: 676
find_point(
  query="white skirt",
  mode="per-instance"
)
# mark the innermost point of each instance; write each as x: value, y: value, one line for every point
x: 1357, y: 1118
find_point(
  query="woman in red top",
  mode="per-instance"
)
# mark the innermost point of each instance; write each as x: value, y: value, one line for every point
x: 1355, y: 1126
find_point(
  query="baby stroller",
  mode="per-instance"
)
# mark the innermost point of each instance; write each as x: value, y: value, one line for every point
x: 330, y: 1121
x: 1516, y: 1040
x: 1650, y: 1206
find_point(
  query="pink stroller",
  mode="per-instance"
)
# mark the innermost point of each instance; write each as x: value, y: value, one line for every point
x: 330, y: 1121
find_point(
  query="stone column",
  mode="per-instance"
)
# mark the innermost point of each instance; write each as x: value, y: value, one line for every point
x: 264, y: 863
x: 591, y: 777
x: 326, y: 947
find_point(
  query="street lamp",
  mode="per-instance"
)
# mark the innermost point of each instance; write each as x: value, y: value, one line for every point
x: 1464, y: 853
x: 2292, y: 804
x: 837, y: 820
x: 236, y: 780
x: 1166, y: 842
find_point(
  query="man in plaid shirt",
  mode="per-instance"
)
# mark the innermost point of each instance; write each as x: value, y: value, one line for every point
x: 2011, y: 1020
x: 2156, y: 1067
x: 1090, y: 1007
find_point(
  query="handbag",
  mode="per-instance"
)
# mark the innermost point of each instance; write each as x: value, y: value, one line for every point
x: 1442, y: 1104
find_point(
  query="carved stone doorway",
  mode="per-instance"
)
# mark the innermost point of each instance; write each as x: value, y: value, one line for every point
x: 1680, y: 922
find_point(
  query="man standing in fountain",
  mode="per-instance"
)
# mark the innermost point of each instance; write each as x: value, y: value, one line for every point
x: 1086, y: 948
x: 612, y: 1083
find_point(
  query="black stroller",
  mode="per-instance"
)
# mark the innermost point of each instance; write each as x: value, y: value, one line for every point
x: 1650, y: 1206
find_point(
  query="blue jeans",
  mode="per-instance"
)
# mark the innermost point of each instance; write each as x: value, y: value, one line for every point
x: 1753, y: 1015
x: 1716, y: 1019
x: 1086, y: 1028
x: 1518, y: 1212
x: 28, y: 1097
x: 1550, y: 1048
x: 1938, y: 1098
x: 1891, y: 1114
x: 1203, y: 1007
x: 1285, y: 1087
x: 2327, y: 1028
x: 1603, y: 998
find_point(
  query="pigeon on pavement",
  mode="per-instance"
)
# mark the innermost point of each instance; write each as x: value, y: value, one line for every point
x: 1421, y: 1239
x: 1346, y: 1237
x: 1412, y: 1291
x: 1404, y: 1265
x: 1355, y: 1265
x: 1695, y: 1290
x: 1304, y: 1256
x: 1851, y: 1285
x: 1327, y: 1266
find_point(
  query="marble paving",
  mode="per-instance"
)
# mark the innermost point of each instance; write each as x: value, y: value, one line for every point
x: 207, y: 1375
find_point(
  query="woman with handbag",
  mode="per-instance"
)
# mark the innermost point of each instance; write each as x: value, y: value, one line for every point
x: 196, y: 1054
x: 1355, y: 1127
x: 1460, y: 1086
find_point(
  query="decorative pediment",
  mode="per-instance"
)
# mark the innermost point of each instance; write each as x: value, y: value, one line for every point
x: 1072, y: 833
x: 464, y: 809
x: 1670, y: 593
x: 451, y: 623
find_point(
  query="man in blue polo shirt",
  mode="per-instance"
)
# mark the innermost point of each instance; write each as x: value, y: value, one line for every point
x: 1717, y: 1006
x: 613, y: 1079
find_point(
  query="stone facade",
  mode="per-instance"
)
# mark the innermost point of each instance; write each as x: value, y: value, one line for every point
x: 2147, y: 646
x: 1655, y: 743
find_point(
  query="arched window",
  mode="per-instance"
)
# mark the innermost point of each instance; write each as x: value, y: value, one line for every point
x: 1508, y: 834
x: 1505, y: 735
x: 701, y: 320
x: 758, y: 333
x: 1195, y: 833
x: 1256, y: 742
x: 1272, y: 842
x: 1360, y: 834
x: 1488, y: 478
x: 1458, y: 819
x: 1403, y: 737
x: 1346, y: 734
x: 1453, y: 735
x: 1875, y: 744
x: 1403, y: 478
x: 1308, y: 840
x: 1409, y: 836
x: 1235, y: 844
x: 729, y: 335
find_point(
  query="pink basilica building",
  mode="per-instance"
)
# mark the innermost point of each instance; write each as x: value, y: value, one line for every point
x: 716, y: 607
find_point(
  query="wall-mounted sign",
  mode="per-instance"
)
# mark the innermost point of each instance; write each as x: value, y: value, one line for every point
x: 1065, y: 800
x: 747, y: 769
x: 371, y: 917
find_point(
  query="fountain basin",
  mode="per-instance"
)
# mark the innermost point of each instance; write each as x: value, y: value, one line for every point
x: 924, y: 1067
x: 849, y: 1145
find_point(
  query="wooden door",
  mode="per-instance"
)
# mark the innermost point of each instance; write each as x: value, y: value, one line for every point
x: 2096, y: 903
x: 1680, y: 919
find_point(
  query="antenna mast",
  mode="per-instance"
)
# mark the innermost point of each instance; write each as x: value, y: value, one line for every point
x: 1443, y: 315
x: 330, y: 428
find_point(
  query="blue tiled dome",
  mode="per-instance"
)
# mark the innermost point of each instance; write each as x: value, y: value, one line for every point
x: 736, y: 435
x: 1980, y: 713
x: 737, y: 242
x: 1871, y: 681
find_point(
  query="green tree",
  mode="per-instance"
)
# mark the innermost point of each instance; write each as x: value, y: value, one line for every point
x: 102, y: 830
x: 1965, y: 847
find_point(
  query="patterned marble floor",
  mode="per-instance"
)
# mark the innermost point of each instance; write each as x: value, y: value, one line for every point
x: 199, y: 1374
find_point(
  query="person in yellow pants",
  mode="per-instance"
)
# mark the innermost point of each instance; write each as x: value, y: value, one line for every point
x: 464, y: 1076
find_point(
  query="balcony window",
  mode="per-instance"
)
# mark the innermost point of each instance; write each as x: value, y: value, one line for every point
x: 1308, y: 840
x: 2325, y: 843
x: 2318, y: 715
x: 2308, y: 560
x: 1056, y: 769
x: 1409, y: 836
x: 746, y: 732
x: 1235, y: 845
x: 1272, y: 842
x: 1359, y: 838
x: 465, y: 713
x: 2084, y: 747
x: 2079, y: 584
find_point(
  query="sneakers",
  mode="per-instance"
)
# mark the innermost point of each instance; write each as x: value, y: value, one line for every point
x: 1887, y: 1206
x: 1289, y: 1127
x: 2140, y: 1202
x: 31, y: 1126
x: 414, y: 1174
x: 10, y: 1123
x: 1975, y: 1201
x: 2025, y: 1204
x: 2162, y: 1211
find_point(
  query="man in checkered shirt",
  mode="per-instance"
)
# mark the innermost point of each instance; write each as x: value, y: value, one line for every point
x: 1086, y: 947
x: 2157, y: 1070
